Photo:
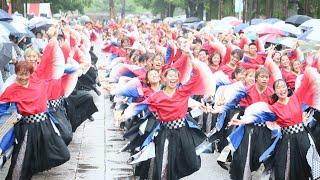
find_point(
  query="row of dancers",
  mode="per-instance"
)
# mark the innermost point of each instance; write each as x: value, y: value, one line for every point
x: 51, y: 95
x: 198, y: 93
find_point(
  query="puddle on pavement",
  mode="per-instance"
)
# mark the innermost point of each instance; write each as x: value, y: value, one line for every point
x: 113, y: 129
x: 117, y: 162
x: 82, y: 168
x: 87, y: 166
x: 129, y: 170
x: 116, y: 139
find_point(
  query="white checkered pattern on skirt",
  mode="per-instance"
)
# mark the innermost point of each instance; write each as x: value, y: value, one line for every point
x: 293, y: 129
x: 54, y: 103
x: 174, y: 124
x: 34, y: 118
x: 260, y: 124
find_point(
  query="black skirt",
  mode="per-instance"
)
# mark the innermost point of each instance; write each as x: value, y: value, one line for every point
x: 225, y: 130
x: 315, y: 130
x: 175, y: 152
x: 79, y: 106
x: 39, y: 148
x: 88, y: 81
x: 260, y: 140
x: 135, y: 138
x: 64, y: 125
x: 290, y: 157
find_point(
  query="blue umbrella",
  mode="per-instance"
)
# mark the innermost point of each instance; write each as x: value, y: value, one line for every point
x: 252, y: 36
x: 255, y: 21
x: 4, y: 16
x: 271, y: 20
x: 240, y: 27
x: 10, y: 28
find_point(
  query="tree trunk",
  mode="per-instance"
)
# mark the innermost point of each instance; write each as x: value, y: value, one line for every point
x: 17, y: 5
x: 123, y: 10
x: 171, y: 9
x: 258, y: 8
x: 212, y: 9
x: 250, y: 10
x: 268, y: 9
x: 192, y: 8
x: 200, y: 10
x: 187, y: 12
x: 244, y: 11
x: 112, y: 10
x: 163, y: 14
x: 4, y: 5
x: 219, y: 9
x: 286, y: 9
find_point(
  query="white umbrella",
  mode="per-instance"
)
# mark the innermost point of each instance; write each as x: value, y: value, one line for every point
x: 309, y: 46
x: 314, y: 35
x: 221, y: 28
x: 4, y: 38
x: 229, y: 19
x: 287, y: 41
x: 21, y: 28
x: 85, y: 18
x: 312, y: 23
x: 20, y: 19
x: 279, y: 23
x: 4, y: 31
x: 38, y: 22
x: 167, y: 19
x: 290, y: 29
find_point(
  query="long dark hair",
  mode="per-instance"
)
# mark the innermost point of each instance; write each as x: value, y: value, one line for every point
x: 274, y: 96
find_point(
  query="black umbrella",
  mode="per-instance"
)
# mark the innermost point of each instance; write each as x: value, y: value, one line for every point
x: 191, y: 20
x: 6, y: 53
x: 40, y: 23
x: 44, y: 27
x: 4, y: 16
x: 177, y: 21
x: 155, y: 20
x: 297, y: 20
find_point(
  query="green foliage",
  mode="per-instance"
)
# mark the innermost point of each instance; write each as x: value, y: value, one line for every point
x: 228, y: 8
x: 66, y: 5
x: 103, y: 6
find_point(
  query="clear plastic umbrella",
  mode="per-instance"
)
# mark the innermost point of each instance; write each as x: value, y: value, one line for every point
x: 21, y: 28
x: 229, y: 19
x: 4, y: 16
x: 10, y: 28
x: 19, y: 18
x: 287, y: 41
x: 314, y: 35
x: 40, y: 23
x: 85, y: 18
x: 290, y: 29
x: 313, y: 23
x: 4, y: 31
